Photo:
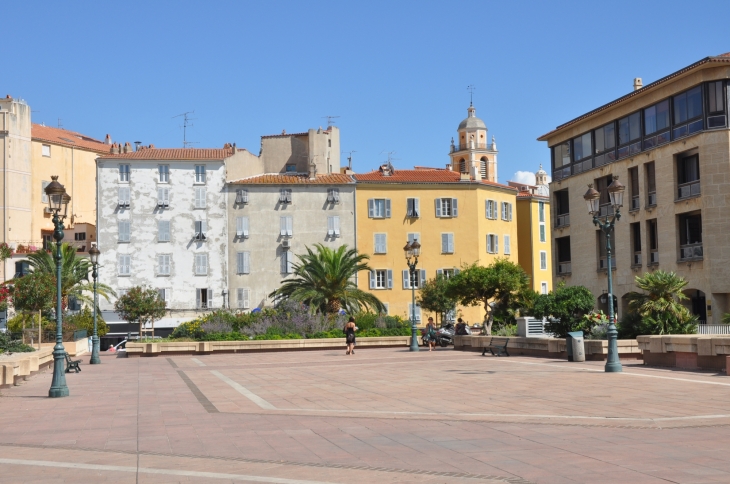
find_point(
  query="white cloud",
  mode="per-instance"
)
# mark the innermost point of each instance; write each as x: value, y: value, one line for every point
x: 525, y: 177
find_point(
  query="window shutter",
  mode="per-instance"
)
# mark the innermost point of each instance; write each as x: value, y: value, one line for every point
x: 444, y: 243
x: 197, y: 298
x: 210, y: 298
x: 496, y: 244
x: 387, y: 208
x: 160, y: 196
x: 450, y: 243
x: 245, y: 227
x: 489, y: 243
x: 486, y: 208
x: 124, y: 231
x: 504, y: 211
x: 507, y: 249
x: 371, y: 208
x: 372, y: 279
x: 239, y: 226
x: 239, y: 195
x: 409, y: 207
x: 422, y: 278
x: 246, y: 298
x: 406, y: 279
x: 456, y: 271
x: 438, y: 207
x: 288, y: 196
x: 283, y: 262
x: 337, y: 225
x: 390, y: 279
x: 416, y: 207
x: 282, y: 196
x: 336, y: 193
x: 239, y: 296
x: 197, y: 228
x: 247, y: 262
x: 239, y: 262
x: 167, y: 264
x: 282, y: 226
x: 331, y: 226
x: 454, y: 207
x: 203, y: 227
x: 290, y: 226
x: 289, y: 262
x: 509, y: 206
x: 439, y: 272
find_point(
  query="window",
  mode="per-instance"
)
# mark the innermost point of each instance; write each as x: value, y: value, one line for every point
x: 490, y: 210
x: 605, y: 145
x: 413, y: 208
x: 415, y: 280
x: 716, y: 105
x: 543, y: 288
x: 243, y: 262
x: 492, y: 243
x: 241, y: 196
x: 163, y: 197
x: 543, y: 237
x: 541, y: 212
x: 242, y: 227
x: 124, y: 173
x: 22, y: 268
x: 687, y: 109
x: 124, y: 227
x: 561, y: 155
x: 381, y: 243
x: 562, y: 208
x: 651, y: 228
x: 163, y: 231
x: 163, y: 173
x: 603, y: 253
x: 507, y: 211
x: 413, y: 236
x: 164, y: 295
x: 204, y: 298
x: 44, y: 195
x: 447, y: 243
x: 333, y: 195
x: 201, y: 264
x: 656, y: 125
x: 562, y: 248
x: 46, y: 150
x: 629, y: 135
x: 650, y: 185
x: 381, y: 279
x: 200, y: 196
x: 507, y: 249
x: 543, y: 260
x: 333, y: 226
x: 416, y: 315
x: 80, y: 236
x: 286, y: 226
x: 200, y: 228
x: 688, y: 176
x: 379, y: 208
x: 601, y: 185
x: 244, y: 297
x: 285, y: 195
x: 447, y: 207
x: 582, y: 147
x: 690, y: 236
x: 286, y: 262
x: 447, y: 273
x: 635, y: 229
x: 124, y: 197
x: 634, y: 188
x: 125, y: 263
x: 199, y: 173
x: 291, y: 168
x: 163, y: 265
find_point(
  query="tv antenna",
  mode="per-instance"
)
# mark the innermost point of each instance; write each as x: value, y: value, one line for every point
x: 186, y: 123
x: 471, y: 89
x: 60, y: 123
x: 329, y: 120
x: 390, y: 157
x: 349, y: 158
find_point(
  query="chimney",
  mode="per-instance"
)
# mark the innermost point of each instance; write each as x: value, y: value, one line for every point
x: 476, y: 173
x: 638, y: 84
x: 449, y: 167
x: 108, y: 139
x: 137, y: 145
x: 127, y: 147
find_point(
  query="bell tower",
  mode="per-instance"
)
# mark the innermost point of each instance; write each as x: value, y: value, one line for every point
x: 472, y: 153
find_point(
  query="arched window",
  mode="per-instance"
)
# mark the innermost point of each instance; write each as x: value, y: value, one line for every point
x: 462, y: 165
x: 483, y: 167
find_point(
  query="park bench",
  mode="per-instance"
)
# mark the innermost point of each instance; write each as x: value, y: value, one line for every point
x: 72, y: 364
x: 499, y: 344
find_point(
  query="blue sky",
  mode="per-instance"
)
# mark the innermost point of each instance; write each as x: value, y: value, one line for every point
x: 395, y: 72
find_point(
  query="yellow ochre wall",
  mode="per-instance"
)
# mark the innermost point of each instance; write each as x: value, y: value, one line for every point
x: 470, y: 229
x: 530, y: 246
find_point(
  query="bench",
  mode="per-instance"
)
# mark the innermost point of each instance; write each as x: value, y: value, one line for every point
x: 499, y: 344
x: 72, y: 364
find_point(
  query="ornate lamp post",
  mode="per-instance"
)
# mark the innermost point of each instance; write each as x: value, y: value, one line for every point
x: 94, y: 256
x: 412, y: 251
x: 592, y: 197
x: 58, y: 203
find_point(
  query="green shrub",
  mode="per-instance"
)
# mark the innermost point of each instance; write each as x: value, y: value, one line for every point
x: 84, y: 319
x: 8, y: 345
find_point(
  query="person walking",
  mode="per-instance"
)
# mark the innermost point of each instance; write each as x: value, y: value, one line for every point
x: 431, y: 334
x: 350, y: 329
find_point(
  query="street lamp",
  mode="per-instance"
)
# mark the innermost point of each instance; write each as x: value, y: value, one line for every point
x: 94, y: 256
x: 58, y: 203
x: 592, y: 197
x: 412, y: 251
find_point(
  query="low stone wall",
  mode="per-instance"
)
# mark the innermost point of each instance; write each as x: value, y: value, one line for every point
x: 19, y: 366
x: 73, y: 348
x: 689, y: 351
x: 550, y: 347
x: 208, y: 347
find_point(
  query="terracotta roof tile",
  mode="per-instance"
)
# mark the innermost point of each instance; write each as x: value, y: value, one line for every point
x: 173, y: 154
x: 65, y: 137
x: 421, y: 175
x: 280, y: 179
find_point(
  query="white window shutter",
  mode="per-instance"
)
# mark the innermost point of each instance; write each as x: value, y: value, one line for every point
x: 239, y: 226
x: 372, y: 279
x: 246, y: 298
x: 245, y: 227
x: 451, y: 243
x: 289, y: 262
x: 330, y: 226
x: 197, y: 299
x: 444, y: 243
x: 204, y: 226
x: 210, y: 298
x: 507, y: 245
x: 371, y: 208
x: 439, y: 272
x: 422, y: 278
x: 409, y: 207
x: 282, y: 196
x: 283, y: 262
x: 454, y: 207
x: 509, y: 205
x: 239, y: 262
x: 245, y: 196
x: 438, y: 207
x: 290, y: 226
x: 337, y: 225
x: 406, y: 279
x: 387, y: 208
x: 160, y: 196
x: 390, y: 279
x: 486, y: 208
x: 489, y: 243
x: 496, y: 244
x: 417, y: 207
x: 239, y: 297
x: 282, y: 226
x: 246, y: 262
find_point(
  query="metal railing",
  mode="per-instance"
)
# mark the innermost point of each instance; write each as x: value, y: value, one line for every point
x: 635, y: 203
x: 603, y: 263
x: 686, y: 190
x: 690, y: 251
x: 713, y: 329
x: 471, y: 146
x: 563, y: 267
x: 562, y: 220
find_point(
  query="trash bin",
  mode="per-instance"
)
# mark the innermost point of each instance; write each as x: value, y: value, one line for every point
x: 575, y: 346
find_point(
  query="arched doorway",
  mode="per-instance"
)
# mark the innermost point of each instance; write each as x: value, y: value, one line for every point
x: 697, y: 304
x: 602, y: 304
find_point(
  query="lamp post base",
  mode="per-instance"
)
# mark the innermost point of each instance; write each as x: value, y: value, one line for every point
x: 614, y: 367
x: 58, y: 386
x: 95, y: 360
x: 414, y: 339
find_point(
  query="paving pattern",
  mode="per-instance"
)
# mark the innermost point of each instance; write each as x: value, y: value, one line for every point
x: 379, y: 416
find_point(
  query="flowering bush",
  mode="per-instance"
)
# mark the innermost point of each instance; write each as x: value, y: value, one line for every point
x: 594, y: 324
x: 5, y: 251
x: 4, y: 297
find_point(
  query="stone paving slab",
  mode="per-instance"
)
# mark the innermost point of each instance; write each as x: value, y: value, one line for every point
x: 382, y: 415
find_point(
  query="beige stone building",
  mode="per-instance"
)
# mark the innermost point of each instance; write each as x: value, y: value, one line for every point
x: 669, y: 143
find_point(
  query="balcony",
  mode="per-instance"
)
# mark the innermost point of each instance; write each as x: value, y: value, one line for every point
x: 690, y: 252
x: 471, y: 146
x: 562, y: 220
x: 688, y: 190
x: 564, y: 268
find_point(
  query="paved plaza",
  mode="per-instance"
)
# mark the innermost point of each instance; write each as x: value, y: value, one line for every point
x: 379, y: 416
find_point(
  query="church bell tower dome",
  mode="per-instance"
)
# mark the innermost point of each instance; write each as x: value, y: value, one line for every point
x: 471, y: 121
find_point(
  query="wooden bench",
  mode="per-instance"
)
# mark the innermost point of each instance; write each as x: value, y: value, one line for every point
x: 72, y: 364
x: 499, y: 344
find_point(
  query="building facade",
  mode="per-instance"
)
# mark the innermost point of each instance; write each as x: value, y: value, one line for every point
x: 274, y: 217
x: 669, y: 144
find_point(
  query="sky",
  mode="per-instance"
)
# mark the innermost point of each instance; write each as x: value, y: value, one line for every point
x: 395, y: 72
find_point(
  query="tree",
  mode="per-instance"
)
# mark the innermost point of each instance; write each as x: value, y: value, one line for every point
x: 500, y: 283
x: 33, y: 293
x: 141, y: 305
x: 84, y: 319
x: 323, y: 280
x: 74, y: 274
x: 432, y: 296
x: 660, y: 306
x: 564, y: 308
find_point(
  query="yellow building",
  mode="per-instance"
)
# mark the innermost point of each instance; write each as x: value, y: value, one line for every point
x: 457, y: 220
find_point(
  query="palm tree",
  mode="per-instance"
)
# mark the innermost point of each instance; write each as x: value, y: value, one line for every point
x: 660, y: 305
x: 74, y: 274
x: 324, y: 280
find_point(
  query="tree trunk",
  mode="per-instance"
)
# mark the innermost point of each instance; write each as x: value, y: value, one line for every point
x: 333, y: 306
x: 488, y: 319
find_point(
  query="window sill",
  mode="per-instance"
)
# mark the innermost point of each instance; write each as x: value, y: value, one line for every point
x: 636, y: 266
x: 634, y: 210
x: 605, y: 270
x: 199, y: 184
x: 677, y: 200
x: 561, y: 274
x: 693, y: 259
x: 162, y: 275
x: 652, y: 264
x: 562, y: 226
x: 124, y: 275
x: 650, y: 207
